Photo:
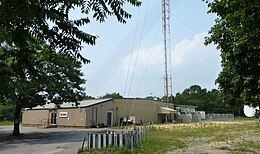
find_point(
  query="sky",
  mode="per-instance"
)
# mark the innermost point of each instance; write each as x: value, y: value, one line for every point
x: 129, y: 58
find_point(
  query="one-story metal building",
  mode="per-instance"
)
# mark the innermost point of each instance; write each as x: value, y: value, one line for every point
x: 99, y: 112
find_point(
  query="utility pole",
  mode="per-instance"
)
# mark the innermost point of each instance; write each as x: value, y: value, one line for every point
x: 167, y: 50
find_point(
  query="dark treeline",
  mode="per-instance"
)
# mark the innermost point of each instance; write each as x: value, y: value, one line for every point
x: 210, y: 101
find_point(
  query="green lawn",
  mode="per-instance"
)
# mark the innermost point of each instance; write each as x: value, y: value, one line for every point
x: 6, y: 123
x: 239, y: 136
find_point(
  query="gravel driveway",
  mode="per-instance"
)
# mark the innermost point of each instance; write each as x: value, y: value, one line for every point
x: 42, y: 141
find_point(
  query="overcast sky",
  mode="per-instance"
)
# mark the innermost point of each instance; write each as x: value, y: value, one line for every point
x: 128, y: 58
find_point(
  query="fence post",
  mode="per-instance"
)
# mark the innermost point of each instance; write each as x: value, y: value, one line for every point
x: 109, y: 139
x: 99, y: 140
x: 93, y: 140
x: 132, y: 140
x: 145, y: 134
x: 121, y: 140
x: 136, y: 138
x: 115, y: 138
x: 126, y: 139
x: 89, y: 140
x: 83, y: 143
x: 140, y: 137
x: 104, y: 140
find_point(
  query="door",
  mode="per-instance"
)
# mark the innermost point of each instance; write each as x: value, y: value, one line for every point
x: 53, y: 117
x: 109, y: 118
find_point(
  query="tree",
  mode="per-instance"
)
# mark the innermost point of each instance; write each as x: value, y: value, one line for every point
x: 88, y: 97
x: 24, y: 25
x: 112, y: 95
x: 209, y: 101
x: 237, y: 33
x: 55, y: 79
x: 193, y: 95
x: 50, y: 21
x: 154, y: 98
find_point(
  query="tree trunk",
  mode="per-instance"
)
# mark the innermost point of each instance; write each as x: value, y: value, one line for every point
x: 16, y: 131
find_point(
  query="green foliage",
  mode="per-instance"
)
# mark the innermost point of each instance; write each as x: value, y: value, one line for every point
x: 50, y: 21
x: 6, y: 112
x: 208, y: 101
x: 112, y: 95
x: 88, y: 97
x: 237, y: 33
x: 154, y: 98
x: 53, y: 78
x: 31, y: 32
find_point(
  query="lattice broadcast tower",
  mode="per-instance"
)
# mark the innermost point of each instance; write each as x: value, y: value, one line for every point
x: 167, y: 50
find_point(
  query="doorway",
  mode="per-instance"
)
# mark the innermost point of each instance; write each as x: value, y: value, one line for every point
x: 109, y: 118
x: 54, y: 117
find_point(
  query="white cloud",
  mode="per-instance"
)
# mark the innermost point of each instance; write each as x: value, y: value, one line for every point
x: 187, y: 48
x: 154, y: 55
x: 192, y: 63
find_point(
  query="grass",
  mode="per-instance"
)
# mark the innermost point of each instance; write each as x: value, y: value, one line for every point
x: 247, y: 146
x: 6, y: 123
x: 115, y: 150
x: 241, y: 135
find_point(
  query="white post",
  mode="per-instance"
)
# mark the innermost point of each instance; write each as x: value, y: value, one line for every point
x: 89, y: 143
x: 126, y: 140
x: 136, y: 138
x: 109, y: 139
x: 132, y: 141
x: 115, y: 138
x: 93, y: 140
x: 145, y: 134
x: 141, y: 136
x: 99, y: 140
x: 104, y: 140
x: 120, y: 140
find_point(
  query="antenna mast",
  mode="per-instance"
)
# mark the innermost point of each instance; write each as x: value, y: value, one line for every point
x: 167, y: 50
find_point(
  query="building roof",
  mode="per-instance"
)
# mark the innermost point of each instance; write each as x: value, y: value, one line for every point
x: 186, y: 106
x: 166, y: 110
x: 84, y: 103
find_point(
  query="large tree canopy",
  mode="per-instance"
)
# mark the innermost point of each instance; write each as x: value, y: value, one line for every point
x: 236, y: 34
x: 209, y: 101
x: 23, y: 20
x: 55, y: 79
x: 32, y: 72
